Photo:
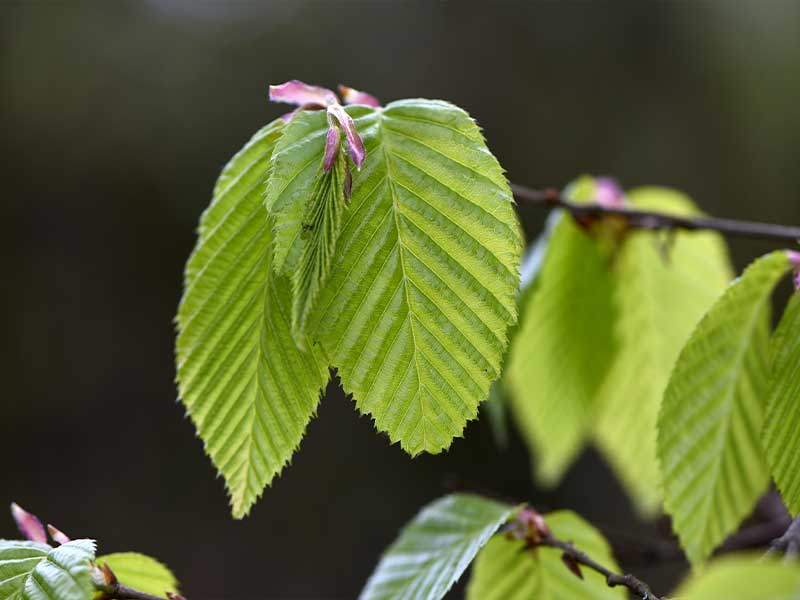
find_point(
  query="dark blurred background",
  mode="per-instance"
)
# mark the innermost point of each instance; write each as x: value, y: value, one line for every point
x: 116, y: 117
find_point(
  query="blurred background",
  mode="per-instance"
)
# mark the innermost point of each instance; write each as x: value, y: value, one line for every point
x: 116, y: 118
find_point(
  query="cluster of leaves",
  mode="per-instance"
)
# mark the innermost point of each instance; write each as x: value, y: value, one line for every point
x: 58, y: 568
x: 402, y: 275
x: 642, y: 345
x: 438, y: 545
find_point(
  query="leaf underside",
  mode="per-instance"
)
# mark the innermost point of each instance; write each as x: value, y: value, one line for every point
x: 660, y: 298
x: 709, y: 445
x: 781, y: 439
x: 743, y: 577
x: 141, y: 572
x: 562, y: 349
x: 33, y: 571
x: 247, y: 387
x: 435, y: 548
x: 505, y: 570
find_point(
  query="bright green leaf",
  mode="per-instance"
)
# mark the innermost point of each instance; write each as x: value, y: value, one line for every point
x: 660, y: 298
x: 743, y: 578
x: 140, y: 572
x: 562, y: 349
x: 32, y: 571
x: 422, y: 291
x: 435, y: 548
x: 709, y: 444
x: 505, y: 570
x: 781, y: 439
x: 248, y: 389
x: 320, y: 230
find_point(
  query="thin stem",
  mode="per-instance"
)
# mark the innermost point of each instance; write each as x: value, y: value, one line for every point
x: 642, y: 219
x: 123, y: 592
x: 635, y: 585
x: 789, y: 542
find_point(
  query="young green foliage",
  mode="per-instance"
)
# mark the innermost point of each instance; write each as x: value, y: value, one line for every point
x: 435, y: 548
x: 663, y: 287
x: 506, y: 570
x: 140, y: 572
x: 781, y: 439
x: 743, y: 577
x: 248, y: 388
x: 563, y: 346
x: 36, y: 571
x: 709, y: 444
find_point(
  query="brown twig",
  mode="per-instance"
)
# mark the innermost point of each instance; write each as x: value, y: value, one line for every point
x: 642, y: 219
x: 123, y: 592
x: 788, y: 543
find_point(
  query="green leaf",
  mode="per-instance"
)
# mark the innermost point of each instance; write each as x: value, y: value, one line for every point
x: 659, y: 301
x: 562, y: 349
x: 422, y: 291
x: 505, y: 570
x: 436, y: 548
x: 320, y: 230
x: 141, y: 572
x: 33, y: 571
x: 248, y: 389
x: 709, y: 445
x: 743, y: 577
x: 781, y: 441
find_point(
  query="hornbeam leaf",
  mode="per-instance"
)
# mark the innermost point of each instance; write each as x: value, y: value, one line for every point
x: 743, y: 577
x: 506, y: 570
x: 660, y: 297
x: 140, y: 572
x: 781, y: 440
x: 422, y: 290
x: 34, y: 571
x: 709, y: 445
x: 248, y: 389
x: 321, y: 225
x: 435, y: 548
x: 562, y: 348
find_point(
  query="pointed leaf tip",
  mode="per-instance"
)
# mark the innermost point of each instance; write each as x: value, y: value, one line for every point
x: 29, y: 524
x: 353, y: 96
x: 58, y: 536
x: 355, y: 145
x: 301, y: 94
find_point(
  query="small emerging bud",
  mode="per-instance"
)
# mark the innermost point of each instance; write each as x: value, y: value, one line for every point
x: 608, y: 193
x: 355, y: 145
x: 301, y: 94
x: 572, y: 564
x: 352, y: 96
x: 794, y: 260
x: 103, y: 577
x: 331, y: 148
x: 58, y: 536
x: 29, y: 524
x: 528, y: 525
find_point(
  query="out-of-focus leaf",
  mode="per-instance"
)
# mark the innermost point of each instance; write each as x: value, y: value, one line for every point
x: 743, y: 577
x: 141, y: 572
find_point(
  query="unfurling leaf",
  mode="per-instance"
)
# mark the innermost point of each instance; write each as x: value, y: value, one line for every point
x: 35, y: 571
x: 659, y: 301
x: 140, y: 572
x: 435, y: 548
x: 247, y: 387
x: 508, y: 570
x: 709, y: 445
x: 28, y: 524
x: 782, y: 424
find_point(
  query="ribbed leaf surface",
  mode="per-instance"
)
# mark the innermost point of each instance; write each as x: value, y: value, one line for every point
x: 659, y: 301
x: 319, y: 231
x: 32, y: 571
x: 505, y: 570
x: 781, y: 438
x: 141, y: 572
x: 562, y: 349
x: 436, y: 548
x: 248, y: 389
x: 743, y: 578
x: 709, y: 444
x: 422, y: 291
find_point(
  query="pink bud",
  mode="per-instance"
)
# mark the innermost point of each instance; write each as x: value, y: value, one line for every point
x: 301, y: 94
x: 794, y: 260
x: 331, y: 148
x: 58, y: 536
x: 29, y: 525
x: 608, y: 193
x: 352, y: 96
x: 355, y: 145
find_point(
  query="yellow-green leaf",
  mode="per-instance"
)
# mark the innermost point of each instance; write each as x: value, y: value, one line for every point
x: 141, y: 572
